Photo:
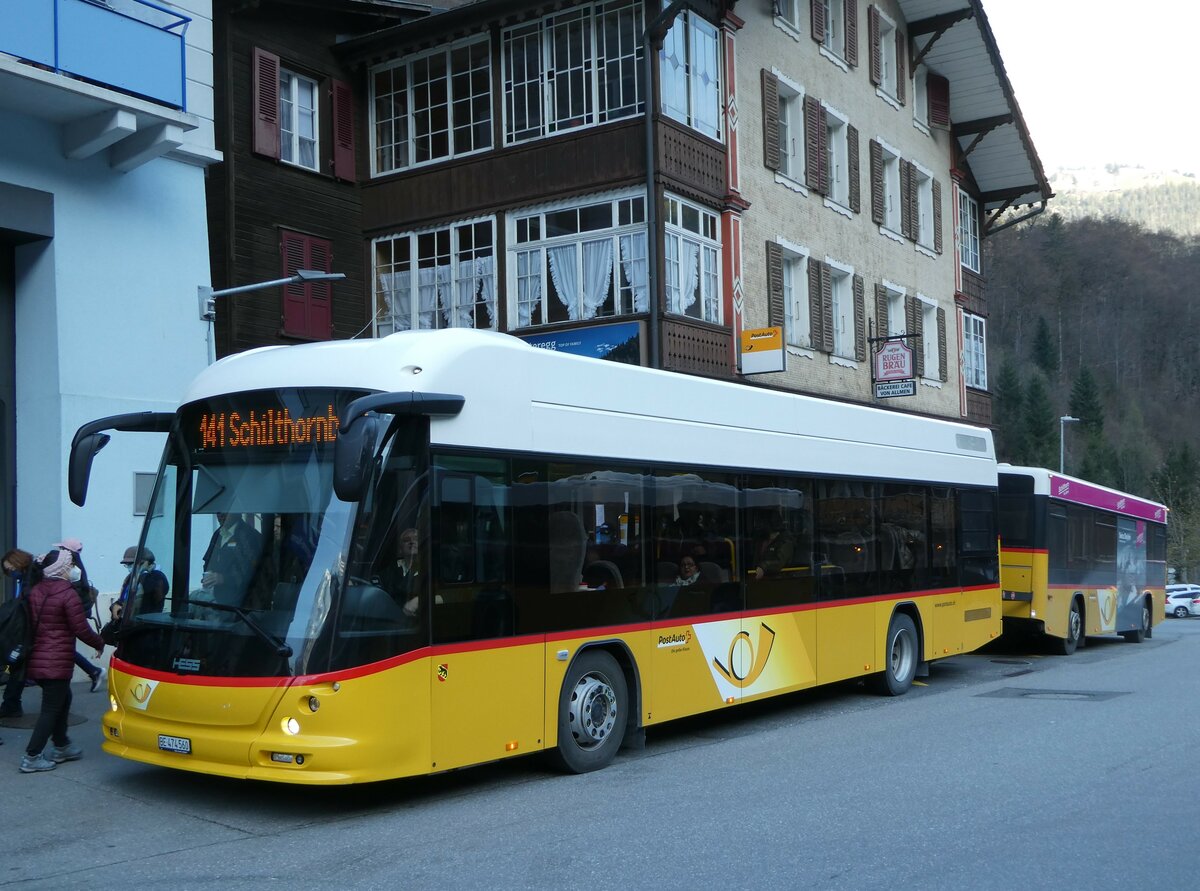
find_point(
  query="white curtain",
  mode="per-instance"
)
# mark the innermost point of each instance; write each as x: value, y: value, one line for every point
x: 445, y: 290
x: 562, y: 270
x: 427, y: 297
x: 485, y: 269
x: 385, y: 305
x: 466, y: 286
x: 529, y: 286
x: 633, y: 261
x: 689, y: 270
x: 597, y: 274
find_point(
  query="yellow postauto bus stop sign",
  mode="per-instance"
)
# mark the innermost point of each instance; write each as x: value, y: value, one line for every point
x: 762, y: 350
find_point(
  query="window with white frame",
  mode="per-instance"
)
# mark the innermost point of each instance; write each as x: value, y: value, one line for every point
x: 892, y: 199
x: 791, y: 131
x: 835, y: 26
x: 923, y: 183
x: 689, y: 66
x: 897, y: 321
x: 578, y: 261
x: 298, y: 120
x: 888, y: 69
x: 838, y: 153
x: 797, y: 322
x: 691, y: 260
x: 573, y: 69
x: 843, y: 310
x: 929, y: 339
x: 921, y: 99
x: 968, y: 231
x: 431, y: 107
x: 787, y: 14
x: 436, y: 278
x: 974, y: 351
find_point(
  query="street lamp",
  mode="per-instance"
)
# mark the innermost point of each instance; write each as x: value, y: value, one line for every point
x: 1062, y: 441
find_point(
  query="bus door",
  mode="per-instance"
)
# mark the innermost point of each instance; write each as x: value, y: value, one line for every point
x: 847, y: 553
x: 486, y: 683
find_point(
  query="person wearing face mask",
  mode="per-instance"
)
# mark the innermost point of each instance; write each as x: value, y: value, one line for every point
x: 77, y: 576
x: 16, y: 565
x: 145, y: 581
x: 58, y: 620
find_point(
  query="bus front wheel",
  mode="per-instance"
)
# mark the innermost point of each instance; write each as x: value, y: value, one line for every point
x: 1065, y: 646
x: 900, y: 657
x: 1139, y: 634
x: 593, y: 710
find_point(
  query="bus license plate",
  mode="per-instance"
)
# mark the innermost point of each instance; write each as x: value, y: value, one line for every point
x: 179, y: 744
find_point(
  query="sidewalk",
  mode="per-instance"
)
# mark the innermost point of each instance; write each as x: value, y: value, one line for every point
x: 83, y: 726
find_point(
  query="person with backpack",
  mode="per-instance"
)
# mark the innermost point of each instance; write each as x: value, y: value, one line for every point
x: 58, y: 620
x: 87, y: 596
x: 16, y: 565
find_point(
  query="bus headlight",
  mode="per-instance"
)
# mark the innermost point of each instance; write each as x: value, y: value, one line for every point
x: 290, y: 726
x: 113, y: 705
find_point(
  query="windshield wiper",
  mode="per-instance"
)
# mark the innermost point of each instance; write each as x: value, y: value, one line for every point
x: 281, y: 647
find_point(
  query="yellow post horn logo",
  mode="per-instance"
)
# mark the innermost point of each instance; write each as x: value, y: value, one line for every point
x: 758, y: 657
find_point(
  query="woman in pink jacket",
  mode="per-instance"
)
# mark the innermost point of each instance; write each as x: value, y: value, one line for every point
x: 58, y: 619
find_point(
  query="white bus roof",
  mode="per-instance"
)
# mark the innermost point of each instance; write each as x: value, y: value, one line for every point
x: 527, y: 399
x: 1077, y: 491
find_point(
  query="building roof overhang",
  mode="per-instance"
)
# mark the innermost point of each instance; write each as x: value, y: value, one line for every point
x: 952, y: 38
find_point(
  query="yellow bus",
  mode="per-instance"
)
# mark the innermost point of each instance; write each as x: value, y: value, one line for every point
x: 403, y: 556
x: 1079, y: 559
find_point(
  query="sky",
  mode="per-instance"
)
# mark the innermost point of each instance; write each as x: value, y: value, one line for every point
x: 1101, y: 81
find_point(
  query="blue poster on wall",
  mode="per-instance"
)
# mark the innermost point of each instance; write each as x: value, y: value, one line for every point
x: 617, y: 343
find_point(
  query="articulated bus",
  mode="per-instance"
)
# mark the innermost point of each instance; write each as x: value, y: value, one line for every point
x: 1079, y: 559
x: 408, y: 555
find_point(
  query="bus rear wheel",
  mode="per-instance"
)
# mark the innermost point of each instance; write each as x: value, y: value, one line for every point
x: 900, y: 657
x: 1065, y: 646
x: 593, y: 710
x: 1139, y: 634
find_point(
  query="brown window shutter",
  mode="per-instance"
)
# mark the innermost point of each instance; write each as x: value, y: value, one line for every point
x: 853, y: 168
x: 770, y: 100
x: 912, y: 319
x: 937, y: 216
x: 775, y: 308
x: 882, y: 328
x: 860, y: 321
x: 265, y: 86
x: 817, y: 13
x: 826, y: 308
x: 875, y: 67
x: 938, y: 90
x: 814, y: 145
x: 307, y: 308
x: 906, y: 204
x: 901, y: 66
x: 875, y: 150
x: 816, y: 327
x: 914, y: 204
x: 343, y: 131
x: 851, y: 15
x: 941, y: 325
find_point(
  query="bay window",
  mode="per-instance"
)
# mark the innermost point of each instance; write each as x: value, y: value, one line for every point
x: 690, y: 67
x: 691, y: 261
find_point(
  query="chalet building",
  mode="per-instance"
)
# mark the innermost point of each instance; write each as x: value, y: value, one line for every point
x: 285, y: 197
x: 106, y: 130
x: 826, y: 166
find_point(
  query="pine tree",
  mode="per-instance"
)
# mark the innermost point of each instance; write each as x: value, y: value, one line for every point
x: 1009, y: 400
x: 1041, y: 426
x: 1086, y: 403
x: 1045, y: 350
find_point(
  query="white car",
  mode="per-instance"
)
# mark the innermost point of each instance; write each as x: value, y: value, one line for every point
x: 1183, y: 601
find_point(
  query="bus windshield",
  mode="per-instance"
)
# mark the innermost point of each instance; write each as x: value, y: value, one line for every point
x: 246, y: 546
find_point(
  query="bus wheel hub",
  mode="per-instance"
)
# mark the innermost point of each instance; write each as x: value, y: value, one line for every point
x: 593, y: 711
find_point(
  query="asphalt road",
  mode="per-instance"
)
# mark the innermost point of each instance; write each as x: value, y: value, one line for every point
x: 1007, y: 769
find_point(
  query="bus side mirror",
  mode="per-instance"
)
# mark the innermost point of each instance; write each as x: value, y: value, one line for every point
x: 83, y: 450
x: 353, y: 452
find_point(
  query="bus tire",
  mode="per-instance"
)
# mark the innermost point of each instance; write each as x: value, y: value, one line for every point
x: 593, y: 710
x: 1065, y: 646
x: 901, y: 655
x: 1139, y: 634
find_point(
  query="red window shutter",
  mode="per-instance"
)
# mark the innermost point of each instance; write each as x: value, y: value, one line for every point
x: 938, y: 90
x: 307, y: 308
x: 343, y: 132
x: 265, y: 84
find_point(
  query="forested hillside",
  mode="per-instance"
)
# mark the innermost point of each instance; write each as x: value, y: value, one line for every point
x: 1168, y: 207
x: 1099, y: 319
